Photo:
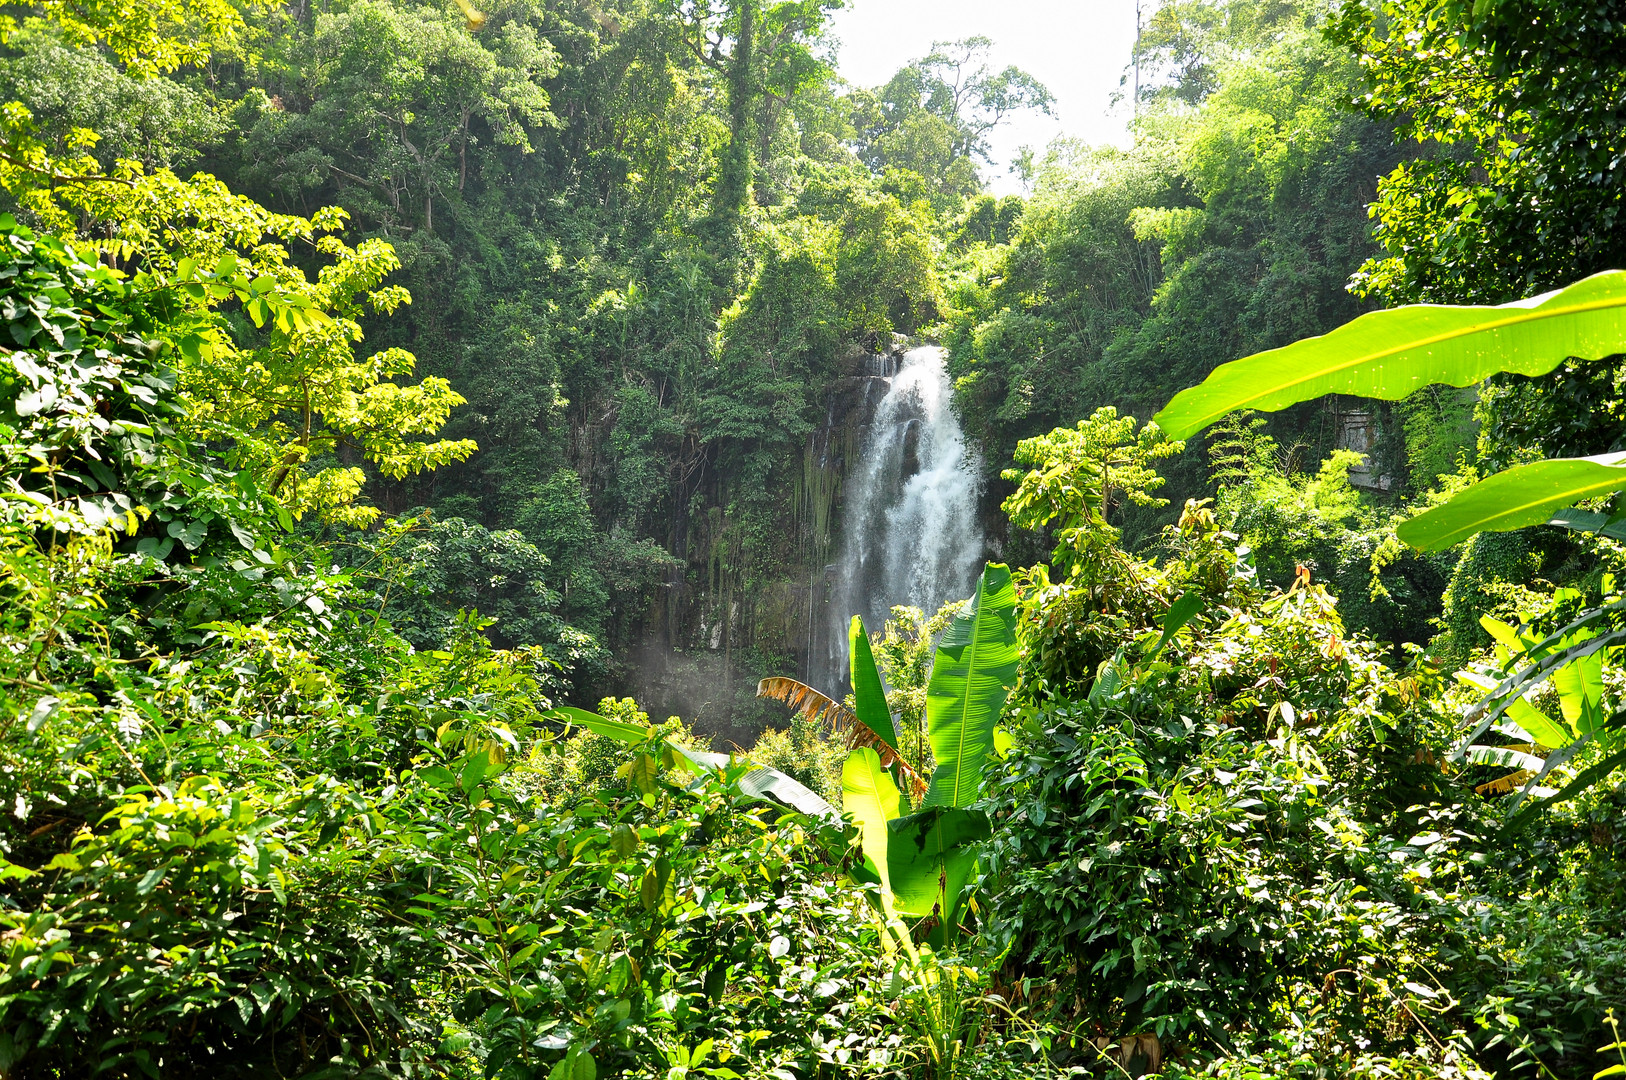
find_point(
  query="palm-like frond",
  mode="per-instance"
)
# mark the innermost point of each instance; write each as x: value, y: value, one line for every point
x: 809, y: 702
x: 817, y: 706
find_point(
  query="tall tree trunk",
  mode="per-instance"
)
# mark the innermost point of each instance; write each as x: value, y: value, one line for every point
x: 734, y: 172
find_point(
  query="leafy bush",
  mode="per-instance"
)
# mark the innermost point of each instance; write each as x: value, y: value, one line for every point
x: 802, y: 752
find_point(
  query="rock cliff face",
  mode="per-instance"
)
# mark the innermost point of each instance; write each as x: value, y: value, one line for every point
x: 750, y: 598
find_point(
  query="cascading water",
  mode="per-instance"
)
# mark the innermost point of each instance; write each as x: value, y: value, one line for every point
x: 910, y: 534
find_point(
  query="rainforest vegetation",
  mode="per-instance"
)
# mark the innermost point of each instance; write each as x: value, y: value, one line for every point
x: 424, y: 427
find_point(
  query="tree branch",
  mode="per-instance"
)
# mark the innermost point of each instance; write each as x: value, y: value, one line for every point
x: 59, y: 178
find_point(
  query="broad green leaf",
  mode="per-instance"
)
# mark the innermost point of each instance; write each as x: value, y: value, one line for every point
x: 1506, y: 636
x: 1589, y: 521
x: 763, y: 782
x: 475, y: 770
x: 870, y: 796
x: 1180, y: 612
x: 869, y: 701
x: 644, y: 772
x: 1538, y: 724
x: 931, y: 855
x: 619, y: 730
x: 1522, y: 496
x: 972, y: 673
x: 1580, y: 691
x: 1390, y: 354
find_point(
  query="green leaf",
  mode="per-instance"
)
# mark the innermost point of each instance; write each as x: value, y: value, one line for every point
x: 244, y: 537
x: 632, y: 734
x: 1180, y: 612
x: 870, y: 796
x: 644, y: 772
x: 930, y: 857
x: 972, y: 673
x: 1390, y: 354
x: 1590, y: 521
x: 474, y: 771
x: 763, y: 782
x: 1522, y: 496
x: 1580, y: 690
x: 1506, y: 636
x: 457, y: 1042
x: 869, y: 700
x: 437, y: 776
x: 1536, y: 723
x: 191, y: 534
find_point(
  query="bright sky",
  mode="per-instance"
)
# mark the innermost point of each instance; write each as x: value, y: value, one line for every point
x: 1078, y: 48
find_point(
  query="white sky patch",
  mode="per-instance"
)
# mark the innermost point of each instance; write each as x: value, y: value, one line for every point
x: 1078, y: 48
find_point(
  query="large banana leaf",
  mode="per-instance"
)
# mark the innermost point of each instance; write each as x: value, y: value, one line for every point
x: 764, y: 783
x: 870, y: 796
x: 972, y: 673
x: 931, y: 856
x: 869, y: 700
x: 1590, y: 521
x: 1537, y: 724
x: 1519, y: 497
x: 1389, y: 354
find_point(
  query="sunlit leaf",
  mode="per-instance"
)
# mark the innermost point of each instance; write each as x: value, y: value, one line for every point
x: 973, y: 671
x: 1522, y: 496
x: 1390, y: 354
x: 869, y: 699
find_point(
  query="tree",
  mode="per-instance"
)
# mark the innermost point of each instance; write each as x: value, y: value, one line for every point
x: 935, y: 115
x: 1515, y: 109
x: 1516, y: 181
x: 765, y: 53
x: 397, y: 100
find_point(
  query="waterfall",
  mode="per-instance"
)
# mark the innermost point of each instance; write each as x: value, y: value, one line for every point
x: 910, y: 533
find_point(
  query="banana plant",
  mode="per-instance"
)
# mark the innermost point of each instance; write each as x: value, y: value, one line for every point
x: 868, y: 723
x: 1572, y: 662
x: 924, y: 860
x: 1390, y: 354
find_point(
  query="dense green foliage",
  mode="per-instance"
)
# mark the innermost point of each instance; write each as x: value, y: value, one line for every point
x: 385, y: 382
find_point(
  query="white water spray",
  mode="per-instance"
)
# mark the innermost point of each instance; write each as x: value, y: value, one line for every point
x: 910, y: 534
